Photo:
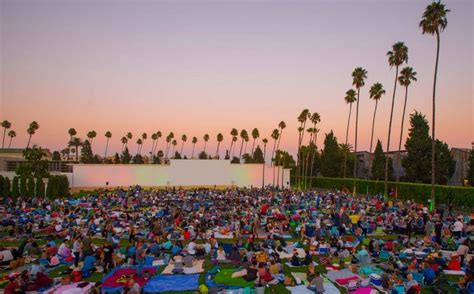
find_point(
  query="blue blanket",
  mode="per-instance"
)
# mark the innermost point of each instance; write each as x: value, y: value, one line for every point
x: 162, y: 283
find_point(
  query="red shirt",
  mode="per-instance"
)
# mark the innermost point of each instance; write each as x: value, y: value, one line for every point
x: 187, y: 235
x: 12, y: 288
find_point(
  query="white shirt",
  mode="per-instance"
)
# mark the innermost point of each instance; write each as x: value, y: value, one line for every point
x: 457, y: 226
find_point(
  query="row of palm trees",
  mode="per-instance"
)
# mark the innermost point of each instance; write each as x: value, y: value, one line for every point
x: 433, y: 22
x: 31, y: 130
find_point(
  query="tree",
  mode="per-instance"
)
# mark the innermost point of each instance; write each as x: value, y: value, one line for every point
x: 205, y: 138
x: 157, y: 136
x: 332, y: 157
x: 378, y: 165
x: 275, y: 134
x: 139, y: 143
x: 56, y: 156
x: 76, y: 143
x: 5, y: 125
x: 23, y: 186
x: 34, y: 126
x: 34, y: 164
x: 72, y: 133
x: 87, y: 156
x: 6, y: 187
x: 154, y: 137
x: 11, y: 134
x: 30, y: 192
x: 39, y: 189
x: 194, y: 141
x: 445, y: 163
x: 108, y: 135
x: 234, y: 133
x: 126, y: 157
x: 174, y: 143
x: 315, y: 119
x: 350, y: 98
x: 15, y: 187
x: 91, y: 135
x: 202, y: 155
x: 255, y: 135
x: 124, y: 141
x: 433, y: 22
x: 407, y: 75
x: 396, y: 57
x: 258, y: 155
x: 243, y: 135
x: 220, y: 138
x: 184, y: 138
x: 234, y: 140
x: 302, y: 118
x: 138, y: 159
x: 470, y: 172
x: 144, y: 137
x: 264, y: 141
x: 376, y: 92
x: 359, y: 75
x: 116, y: 158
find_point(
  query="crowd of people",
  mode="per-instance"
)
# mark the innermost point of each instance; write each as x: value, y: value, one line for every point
x: 260, y: 231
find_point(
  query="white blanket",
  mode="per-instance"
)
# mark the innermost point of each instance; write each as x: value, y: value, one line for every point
x: 301, y: 254
x: 197, y: 268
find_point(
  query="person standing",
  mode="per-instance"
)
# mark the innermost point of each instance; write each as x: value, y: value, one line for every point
x: 76, y: 250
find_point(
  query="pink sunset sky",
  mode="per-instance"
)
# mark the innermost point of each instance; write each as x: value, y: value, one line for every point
x: 197, y: 67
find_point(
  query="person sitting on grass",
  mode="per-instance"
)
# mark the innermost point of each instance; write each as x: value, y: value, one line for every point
x: 308, y: 259
x: 295, y: 260
x: 317, y: 284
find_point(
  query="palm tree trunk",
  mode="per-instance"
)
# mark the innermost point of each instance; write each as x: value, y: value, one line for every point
x: 192, y: 154
x: 241, y: 146
x: 433, y: 134
x: 355, y: 147
x: 312, y: 161
x: 372, y: 136
x: 273, y: 167
x: 217, y: 151
x: 29, y: 140
x: 347, y: 137
x: 4, y: 132
x: 389, y: 132
x: 106, y: 147
x: 77, y: 152
x: 278, y: 148
x: 253, y: 146
x: 9, y: 145
x: 400, y: 142
x: 263, y: 169
x: 205, y: 144
x: 230, y: 149
x: 181, y: 152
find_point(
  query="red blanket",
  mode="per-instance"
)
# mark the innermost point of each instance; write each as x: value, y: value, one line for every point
x: 346, y: 281
x: 121, y: 276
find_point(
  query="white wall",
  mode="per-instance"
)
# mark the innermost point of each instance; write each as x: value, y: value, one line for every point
x: 178, y: 173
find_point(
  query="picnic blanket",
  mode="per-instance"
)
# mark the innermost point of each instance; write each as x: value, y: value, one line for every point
x: 300, y: 278
x: 162, y: 283
x: 364, y: 290
x: 69, y: 289
x: 218, y: 235
x: 329, y: 288
x: 290, y: 265
x: 197, y: 268
x: 342, y: 277
x: 224, y: 277
x: 117, y: 279
x: 284, y: 254
x: 370, y: 269
x: 454, y: 273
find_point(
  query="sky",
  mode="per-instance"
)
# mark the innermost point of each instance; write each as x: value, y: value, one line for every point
x: 196, y: 67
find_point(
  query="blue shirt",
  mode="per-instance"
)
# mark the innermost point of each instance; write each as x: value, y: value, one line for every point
x: 429, y: 275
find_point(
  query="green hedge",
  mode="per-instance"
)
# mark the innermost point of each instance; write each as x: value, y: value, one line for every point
x: 458, y: 196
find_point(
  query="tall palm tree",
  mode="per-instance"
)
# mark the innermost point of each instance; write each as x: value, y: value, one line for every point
x: 194, y: 141
x: 234, y: 133
x: 220, y: 138
x: 234, y: 141
x: 281, y: 125
x: 144, y: 137
x: 376, y: 92
x: 124, y: 141
x: 129, y: 136
x: 433, y: 22
x: 139, y: 144
x: 91, y: 135
x: 275, y: 135
x: 174, y: 143
x: 350, y: 98
x: 315, y: 119
x: 407, y: 75
x: 158, y: 136
x: 359, y: 75
x: 5, y: 125
x: 243, y: 135
x: 72, y: 132
x: 206, y: 138
x: 396, y: 57
x: 255, y: 135
x: 34, y: 126
x: 75, y: 143
x: 108, y: 135
x: 154, y: 137
x: 265, y: 141
x: 11, y: 134
x: 184, y: 138
x: 247, y: 139
x: 302, y: 118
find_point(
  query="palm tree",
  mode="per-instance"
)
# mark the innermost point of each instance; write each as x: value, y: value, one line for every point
x: 220, y: 138
x: 359, y: 75
x: 376, y: 92
x: 281, y: 125
x: 265, y: 141
x: 302, y: 118
x: 315, y: 119
x: 91, y: 135
x: 76, y: 143
x: 194, y: 141
x: 108, y: 135
x: 433, y: 22
x: 234, y: 141
x: 5, y: 125
x: 11, y: 134
x: 154, y: 137
x: 234, y: 133
x: 184, y: 138
x: 350, y: 98
x: 174, y: 143
x: 158, y: 136
x: 206, y: 138
x: 72, y: 132
x: 124, y: 141
x: 255, y: 135
x: 243, y: 135
x: 129, y: 136
x: 34, y: 126
x: 275, y: 135
x: 397, y: 56
x: 139, y: 144
x: 407, y: 75
x: 144, y: 137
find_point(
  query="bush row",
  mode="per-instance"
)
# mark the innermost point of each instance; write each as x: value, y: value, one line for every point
x: 455, y: 195
x: 57, y: 186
